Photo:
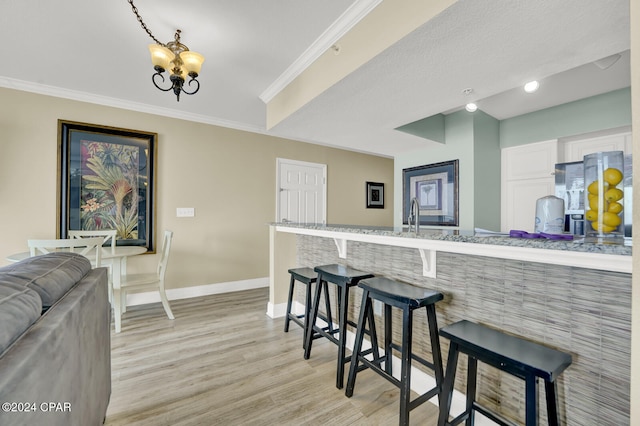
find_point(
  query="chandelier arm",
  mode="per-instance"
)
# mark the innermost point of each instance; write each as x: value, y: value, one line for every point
x: 153, y: 78
x: 197, y: 86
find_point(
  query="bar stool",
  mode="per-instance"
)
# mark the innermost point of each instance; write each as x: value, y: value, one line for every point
x: 408, y: 298
x: 521, y: 358
x: 344, y: 278
x: 306, y: 276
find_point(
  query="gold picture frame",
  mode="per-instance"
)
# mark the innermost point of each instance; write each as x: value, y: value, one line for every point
x: 106, y: 180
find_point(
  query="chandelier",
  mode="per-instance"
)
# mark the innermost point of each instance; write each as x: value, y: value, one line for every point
x: 175, y: 58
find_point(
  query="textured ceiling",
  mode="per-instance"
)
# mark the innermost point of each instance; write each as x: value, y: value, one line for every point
x: 96, y: 51
x: 490, y: 46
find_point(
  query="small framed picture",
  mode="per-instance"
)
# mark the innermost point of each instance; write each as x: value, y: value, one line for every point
x: 375, y: 195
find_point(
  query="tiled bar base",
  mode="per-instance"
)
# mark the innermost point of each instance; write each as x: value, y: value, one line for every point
x: 584, y: 312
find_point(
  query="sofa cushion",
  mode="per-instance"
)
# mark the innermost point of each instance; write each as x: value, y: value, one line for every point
x: 19, y: 308
x: 50, y: 275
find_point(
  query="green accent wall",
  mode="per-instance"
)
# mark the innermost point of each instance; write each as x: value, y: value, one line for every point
x: 486, y: 171
x: 607, y: 111
x: 431, y: 128
x: 473, y: 139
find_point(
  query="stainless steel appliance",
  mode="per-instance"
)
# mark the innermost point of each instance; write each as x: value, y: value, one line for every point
x: 570, y: 187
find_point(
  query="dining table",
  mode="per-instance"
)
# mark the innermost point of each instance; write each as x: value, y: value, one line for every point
x: 118, y: 258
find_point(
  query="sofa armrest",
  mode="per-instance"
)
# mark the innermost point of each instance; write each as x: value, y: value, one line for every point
x: 65, y: 357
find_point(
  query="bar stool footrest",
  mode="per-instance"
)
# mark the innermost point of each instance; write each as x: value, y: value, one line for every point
x: 419, y: 400
x: 495, y: 417
x: 491, y: 415
x: 375, y: 367
x: 297, y: 319
x: 414, y: 357
x: 423, y: 398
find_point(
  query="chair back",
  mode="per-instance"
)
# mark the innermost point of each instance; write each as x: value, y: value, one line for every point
x: 164, y: 254
x: 88, y: 247
x: 109, y: 236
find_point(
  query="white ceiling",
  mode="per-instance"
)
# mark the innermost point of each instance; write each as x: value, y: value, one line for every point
x: 96, y: 51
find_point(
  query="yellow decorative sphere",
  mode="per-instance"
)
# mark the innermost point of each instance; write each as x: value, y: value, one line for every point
x: 612, y: 176
x: 613, y: 194
x: 611, y: 219
x: 615, y: 207
x: 593, y: 187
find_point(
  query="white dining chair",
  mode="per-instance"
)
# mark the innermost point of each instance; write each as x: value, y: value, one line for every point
x: 88, y: 247
x: 145, y: 281
x: 108, y: 235
x: 109, y: 238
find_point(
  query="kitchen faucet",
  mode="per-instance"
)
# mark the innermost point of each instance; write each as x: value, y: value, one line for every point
x: 414, y: 214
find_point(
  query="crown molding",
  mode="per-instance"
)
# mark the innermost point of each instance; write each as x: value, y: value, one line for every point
x: 328, y: 38
x: 76, y: 95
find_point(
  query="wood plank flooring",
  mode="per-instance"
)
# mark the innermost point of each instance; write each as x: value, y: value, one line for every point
x: 223, y: 361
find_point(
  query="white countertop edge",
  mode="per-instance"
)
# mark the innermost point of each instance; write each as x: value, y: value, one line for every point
x: 604, y: 262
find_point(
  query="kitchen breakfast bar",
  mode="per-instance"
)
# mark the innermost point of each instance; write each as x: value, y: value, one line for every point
x: 571, y: 296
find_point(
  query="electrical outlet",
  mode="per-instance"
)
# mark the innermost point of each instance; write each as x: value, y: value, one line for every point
x: 185, y: 212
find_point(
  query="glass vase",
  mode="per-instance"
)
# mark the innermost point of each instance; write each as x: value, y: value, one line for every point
x: 604, y: 197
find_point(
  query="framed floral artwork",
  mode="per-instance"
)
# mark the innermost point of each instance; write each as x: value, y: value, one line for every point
x: 106, y: 180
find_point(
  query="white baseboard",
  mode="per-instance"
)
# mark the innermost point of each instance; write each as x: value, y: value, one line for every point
x: 279, y: 310
x: 197, y: 291
x: 276, y: 311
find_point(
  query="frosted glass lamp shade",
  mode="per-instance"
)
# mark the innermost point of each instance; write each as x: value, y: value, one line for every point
x: 161, y: 56
x: 192, y: 61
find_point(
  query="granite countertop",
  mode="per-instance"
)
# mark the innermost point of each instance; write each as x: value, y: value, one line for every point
x: 454, y: 235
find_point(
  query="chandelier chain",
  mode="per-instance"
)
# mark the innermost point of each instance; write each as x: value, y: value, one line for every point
x: 144, y: 26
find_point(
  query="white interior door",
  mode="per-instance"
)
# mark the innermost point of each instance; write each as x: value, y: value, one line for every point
x: 301, y: 191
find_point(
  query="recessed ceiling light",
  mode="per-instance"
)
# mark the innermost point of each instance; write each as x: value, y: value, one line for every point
x: 531, y: 86
x: 471, y: 107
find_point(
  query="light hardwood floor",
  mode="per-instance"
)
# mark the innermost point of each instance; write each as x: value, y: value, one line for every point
x: 223, y: 361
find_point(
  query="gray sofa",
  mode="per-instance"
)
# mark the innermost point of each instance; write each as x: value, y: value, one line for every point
x: 55, y: 343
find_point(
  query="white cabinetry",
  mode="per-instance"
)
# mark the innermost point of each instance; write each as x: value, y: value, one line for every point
x: 576, y: 149
x: 527, y: 174
x: 528, y: 171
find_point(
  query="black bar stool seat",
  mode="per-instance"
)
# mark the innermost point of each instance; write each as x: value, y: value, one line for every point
x: 306, y: 276
x: 514, y: 355
x: 344, y: 277
x: 408, y: 298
